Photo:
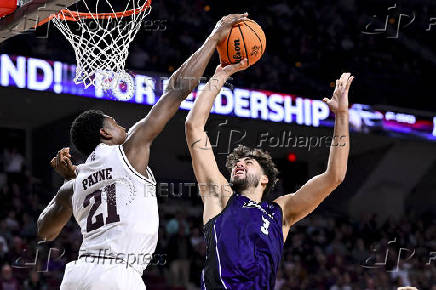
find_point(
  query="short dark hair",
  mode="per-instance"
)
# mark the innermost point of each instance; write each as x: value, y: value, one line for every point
x: 262, y: 157
x: 85, y: 131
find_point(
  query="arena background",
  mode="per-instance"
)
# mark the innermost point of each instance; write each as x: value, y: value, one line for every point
x: 376, y: 231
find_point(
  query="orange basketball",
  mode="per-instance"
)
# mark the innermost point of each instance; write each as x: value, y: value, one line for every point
x: 245, y: 40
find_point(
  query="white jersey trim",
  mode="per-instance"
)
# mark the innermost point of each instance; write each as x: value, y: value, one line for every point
x: 133, y: 170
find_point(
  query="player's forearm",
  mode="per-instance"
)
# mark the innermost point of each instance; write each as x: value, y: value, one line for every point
x: 339, y: 149
x: 48, y: 223
x: 199, y: 113
x: 56, y: 214
x: 187, y: 77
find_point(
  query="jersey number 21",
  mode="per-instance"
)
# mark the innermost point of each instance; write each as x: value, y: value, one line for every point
x: 111, y: 203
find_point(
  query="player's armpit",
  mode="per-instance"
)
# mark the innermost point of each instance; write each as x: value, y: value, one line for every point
x: 213, y: 186
x: 142, y: 134
x: 56, y: 214
x: 301, y: 203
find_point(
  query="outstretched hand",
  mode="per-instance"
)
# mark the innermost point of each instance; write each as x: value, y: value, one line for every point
x: 224, y: 25
x: 339, y: 101
x: 62, y: 164
x: 232, y: 68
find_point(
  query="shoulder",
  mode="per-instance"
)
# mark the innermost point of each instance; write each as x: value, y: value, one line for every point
x: 276, y: 209
x: 100, y: 152
x: 274, y: 206
x: 234, y: 198
x: 283, y: 201
x: 280, y: 201
x: 209, y: 224
x: 104, y: 149
x: 65, y: 193
x: 67, y: 187
x: 136, y: 154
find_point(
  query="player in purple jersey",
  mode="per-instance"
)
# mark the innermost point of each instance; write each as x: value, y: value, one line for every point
x: 244, y: 234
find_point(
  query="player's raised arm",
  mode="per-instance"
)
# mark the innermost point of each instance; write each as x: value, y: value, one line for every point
x: 56, y: 214
x: 181, y: 83
x: 213, y: 186
x: 299, y: 204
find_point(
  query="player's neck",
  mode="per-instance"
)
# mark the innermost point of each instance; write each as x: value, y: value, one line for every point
x: 253, y: 193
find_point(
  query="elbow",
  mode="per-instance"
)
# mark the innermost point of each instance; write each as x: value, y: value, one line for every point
x: 183, y: 85
x: 191, y: 126
x: 189, y: 129
x: 44, y: 236
x: 42, y: 232
x: 185, y: 89
x: 178, y: 90
x: 336, y: 178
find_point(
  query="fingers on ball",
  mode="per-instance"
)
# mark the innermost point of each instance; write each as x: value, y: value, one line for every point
x: 245, y: 40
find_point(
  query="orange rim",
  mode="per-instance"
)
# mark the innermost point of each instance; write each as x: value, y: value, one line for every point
x: 68, y: 15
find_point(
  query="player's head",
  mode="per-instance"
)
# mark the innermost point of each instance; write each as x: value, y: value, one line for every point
x: 94, y: 127
x: 250, y: 167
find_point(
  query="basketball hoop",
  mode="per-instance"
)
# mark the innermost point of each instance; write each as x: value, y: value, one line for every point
x: 101, y: 43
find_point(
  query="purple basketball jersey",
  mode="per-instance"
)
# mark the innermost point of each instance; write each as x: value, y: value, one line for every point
x: 244, y: 245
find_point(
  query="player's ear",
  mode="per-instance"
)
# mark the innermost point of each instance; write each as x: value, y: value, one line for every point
x: 105, y: 134
x: 264, y: 179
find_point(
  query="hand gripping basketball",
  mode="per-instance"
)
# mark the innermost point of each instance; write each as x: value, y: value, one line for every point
x: 225, y: 24
x: 245, y: 40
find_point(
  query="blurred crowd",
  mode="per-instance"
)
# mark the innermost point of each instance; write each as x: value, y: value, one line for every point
x: 309, y: 43
x: 322, y: 251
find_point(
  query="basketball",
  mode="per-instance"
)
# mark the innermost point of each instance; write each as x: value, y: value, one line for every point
x: 245, y: 40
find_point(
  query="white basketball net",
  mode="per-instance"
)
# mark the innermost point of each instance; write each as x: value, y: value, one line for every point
x: 102, y: 46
